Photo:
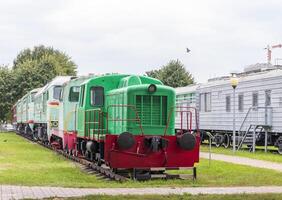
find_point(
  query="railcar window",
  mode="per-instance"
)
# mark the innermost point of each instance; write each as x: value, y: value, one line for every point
x: 255, y: 99
x: 57, y: 92
x: 74, y: 94
x: 61, y: 95
x: 241, y: 102
x: 228, y: 103
x: 268, y: 98
x: 280, y: 101
x: 97, y: 96
x: 202, y: 102
x: 44, y: 102
x: 208, y: 102
x: 205, y: 102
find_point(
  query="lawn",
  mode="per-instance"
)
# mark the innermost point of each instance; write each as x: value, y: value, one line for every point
x: 25, y: 163
x: 185, y: 197
x: 260, y: 155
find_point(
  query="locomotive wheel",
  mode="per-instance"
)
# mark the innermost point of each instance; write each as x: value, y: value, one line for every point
x: 279, y: 150
x: 99, y: 163
x: 141, y: 175
x: 226, y: 141
x: 35, y: 136
x: 217, y: 141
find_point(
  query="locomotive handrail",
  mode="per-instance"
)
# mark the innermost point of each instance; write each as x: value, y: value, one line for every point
x: 247, y: 115
x: 186, y: 107
x: 127, y: 106
x: 100, y: 121
x: 181, y: 119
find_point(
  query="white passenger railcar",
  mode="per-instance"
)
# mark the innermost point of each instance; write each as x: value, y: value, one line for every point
x: 258, y: 107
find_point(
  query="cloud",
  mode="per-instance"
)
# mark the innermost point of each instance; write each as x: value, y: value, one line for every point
x: 135, y: 36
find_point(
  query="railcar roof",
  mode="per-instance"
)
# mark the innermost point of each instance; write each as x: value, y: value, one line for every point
x: 80, y: 79
x: 59, y: 80
x: 117, y: 75
x: 226, y: 80
x: 187, y: 89
x: 244, y: 77
x: 35, y: 90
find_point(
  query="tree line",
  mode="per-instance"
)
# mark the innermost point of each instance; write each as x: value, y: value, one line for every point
x: 33, y: 68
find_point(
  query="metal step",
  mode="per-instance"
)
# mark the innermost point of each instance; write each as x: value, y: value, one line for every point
x: 246, y: 141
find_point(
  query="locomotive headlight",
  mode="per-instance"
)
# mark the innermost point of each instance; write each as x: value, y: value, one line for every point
x: 152, y: 88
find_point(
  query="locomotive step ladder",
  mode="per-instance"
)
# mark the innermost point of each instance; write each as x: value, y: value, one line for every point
x: 249, y: 137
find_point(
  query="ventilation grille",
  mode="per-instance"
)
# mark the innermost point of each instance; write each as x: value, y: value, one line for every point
x: 152, y: 110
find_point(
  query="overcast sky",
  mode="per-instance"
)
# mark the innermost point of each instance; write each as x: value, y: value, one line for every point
x: 130, y: 36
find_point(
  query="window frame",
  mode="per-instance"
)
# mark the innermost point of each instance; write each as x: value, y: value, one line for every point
x: 267, y: 98
x: 205, y: 105
x: 202, y: 102
x: 61, y: 88
x: 70, y: 92
x: 253, y: 99
x: 81, y: 97
x: 228, y: 106
x: 91, y: 96
x: 45, y: 98
x: 208, y: 108
x: 241, y: 103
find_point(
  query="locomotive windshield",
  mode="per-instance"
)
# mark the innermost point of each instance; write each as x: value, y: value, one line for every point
x: 57, y: 92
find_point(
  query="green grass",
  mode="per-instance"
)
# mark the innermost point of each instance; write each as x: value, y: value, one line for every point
x: 260, y: 155
x: 185, y: 197
x: 25, y: 163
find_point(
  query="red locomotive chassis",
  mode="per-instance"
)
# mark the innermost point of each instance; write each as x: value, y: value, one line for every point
x: 142, y: 157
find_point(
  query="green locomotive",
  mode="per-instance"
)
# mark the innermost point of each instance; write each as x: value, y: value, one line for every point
x: 123, y: 121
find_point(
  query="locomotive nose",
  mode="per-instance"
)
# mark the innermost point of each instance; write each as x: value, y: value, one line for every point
x: 186, y: 141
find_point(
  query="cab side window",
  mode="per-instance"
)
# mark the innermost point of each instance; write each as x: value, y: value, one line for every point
x: 97, y: 96
x: 74, y: 94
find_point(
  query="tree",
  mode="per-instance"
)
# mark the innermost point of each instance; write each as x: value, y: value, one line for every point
x: 61, y: 63
x: 6, y: 92
x: 173, y: 74
x: 35, y: 67
x: 31, y: 69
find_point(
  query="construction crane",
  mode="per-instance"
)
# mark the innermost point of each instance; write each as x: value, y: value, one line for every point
x: 269, y: 51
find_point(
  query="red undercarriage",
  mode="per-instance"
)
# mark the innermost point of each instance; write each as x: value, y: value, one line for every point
x: 140, y: 156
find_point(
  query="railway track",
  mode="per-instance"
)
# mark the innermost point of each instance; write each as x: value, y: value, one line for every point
x: 100, y: 171
x: 107, y: 173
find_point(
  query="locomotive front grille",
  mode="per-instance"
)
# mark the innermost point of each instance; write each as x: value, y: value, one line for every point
x: 152, y: 110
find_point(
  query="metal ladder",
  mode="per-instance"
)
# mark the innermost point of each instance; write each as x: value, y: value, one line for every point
x: 249, y: 136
